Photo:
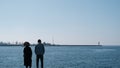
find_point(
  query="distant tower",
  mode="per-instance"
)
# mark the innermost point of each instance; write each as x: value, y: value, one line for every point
x: 98, y: 43
x: 53, y: 40
x: 16, y: 42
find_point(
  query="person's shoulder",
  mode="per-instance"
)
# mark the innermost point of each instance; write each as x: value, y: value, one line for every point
x: 37, y: 46
x: 42, y: 44
x: 25, y: 47
x: 28, y: 48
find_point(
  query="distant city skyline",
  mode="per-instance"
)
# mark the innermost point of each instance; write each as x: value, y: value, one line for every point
x: 79, y: 22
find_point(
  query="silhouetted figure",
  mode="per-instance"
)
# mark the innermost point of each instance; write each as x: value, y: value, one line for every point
x: 27, y: 55
x: 39, y: 51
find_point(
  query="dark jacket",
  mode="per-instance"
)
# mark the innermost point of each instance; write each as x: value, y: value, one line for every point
x: 27, y: 56
x: 39, y: 49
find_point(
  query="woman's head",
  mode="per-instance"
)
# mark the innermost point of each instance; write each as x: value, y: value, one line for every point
x: 26, y: 44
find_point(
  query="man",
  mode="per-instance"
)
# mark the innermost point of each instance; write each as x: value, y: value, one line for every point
x: 39, y: 51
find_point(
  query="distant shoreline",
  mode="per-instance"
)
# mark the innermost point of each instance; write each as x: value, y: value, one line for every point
x: 54, y: 45
x: 61, y: 45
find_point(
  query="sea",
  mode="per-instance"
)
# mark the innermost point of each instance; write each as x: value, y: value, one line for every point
x: 64, y: 57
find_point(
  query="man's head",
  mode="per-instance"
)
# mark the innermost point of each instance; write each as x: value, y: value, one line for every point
x: 39, y: 41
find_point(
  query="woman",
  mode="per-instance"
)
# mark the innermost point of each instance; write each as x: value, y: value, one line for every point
x: 27, y: 55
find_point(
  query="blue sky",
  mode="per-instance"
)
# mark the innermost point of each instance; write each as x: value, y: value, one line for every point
x: 67, y: 21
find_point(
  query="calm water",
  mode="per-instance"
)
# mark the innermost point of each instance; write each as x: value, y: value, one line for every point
x: 64, y: 57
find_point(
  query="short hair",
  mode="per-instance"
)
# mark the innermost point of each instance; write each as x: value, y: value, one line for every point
x: 39, y: 41
x: 26, y: 44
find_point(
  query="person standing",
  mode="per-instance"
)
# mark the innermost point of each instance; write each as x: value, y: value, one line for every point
x: 27, y: 55
x: 39, y: 51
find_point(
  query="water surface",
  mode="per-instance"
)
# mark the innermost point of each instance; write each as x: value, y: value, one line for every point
x: 64, y: 57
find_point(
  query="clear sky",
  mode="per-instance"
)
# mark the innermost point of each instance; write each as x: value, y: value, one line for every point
x: 67, y: 21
